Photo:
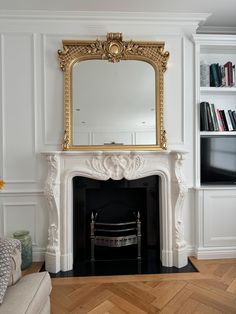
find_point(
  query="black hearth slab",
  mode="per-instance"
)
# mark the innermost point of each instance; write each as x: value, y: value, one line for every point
x: 113, y: 268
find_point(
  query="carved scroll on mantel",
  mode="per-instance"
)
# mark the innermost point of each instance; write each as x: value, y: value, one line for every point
x: 115, y: 166
x: 183, y: 189
x: 52, y: 193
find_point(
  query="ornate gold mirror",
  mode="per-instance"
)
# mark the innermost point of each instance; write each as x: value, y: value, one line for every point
x: 113, y: 94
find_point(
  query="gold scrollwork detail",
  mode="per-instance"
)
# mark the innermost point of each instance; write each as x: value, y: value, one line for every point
x: 113, y: 49
x: 65, y: 145
x: 163, y: 140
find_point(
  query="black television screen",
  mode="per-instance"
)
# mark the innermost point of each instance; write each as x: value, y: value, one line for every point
x: 218, y: 160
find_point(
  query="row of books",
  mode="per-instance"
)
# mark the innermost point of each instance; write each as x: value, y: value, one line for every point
x: 216, y: 75
x: 213, y: 119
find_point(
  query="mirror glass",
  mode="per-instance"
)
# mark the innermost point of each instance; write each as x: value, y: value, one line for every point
x: 113, y: 103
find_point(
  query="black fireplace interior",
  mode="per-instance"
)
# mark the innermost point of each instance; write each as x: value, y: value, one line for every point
x: 117, y: 201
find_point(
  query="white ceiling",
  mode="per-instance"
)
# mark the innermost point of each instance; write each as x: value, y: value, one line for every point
x: 223, y: 11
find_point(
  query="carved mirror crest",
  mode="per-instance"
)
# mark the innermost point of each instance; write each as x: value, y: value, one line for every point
x: 113, y: 94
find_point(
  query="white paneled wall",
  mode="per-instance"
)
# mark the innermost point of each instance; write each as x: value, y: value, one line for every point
x: 18, y: 108
x: 219, y: 230
x: 53, y: 90
x: 32, y: 102
x: 25, y: 211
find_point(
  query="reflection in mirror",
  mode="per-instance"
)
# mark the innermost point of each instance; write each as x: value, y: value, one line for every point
x: 113, y: 103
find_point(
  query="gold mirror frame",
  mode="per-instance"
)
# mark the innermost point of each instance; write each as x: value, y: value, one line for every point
x: 113, y: 49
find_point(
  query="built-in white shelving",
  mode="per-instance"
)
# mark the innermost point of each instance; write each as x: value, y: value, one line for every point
x: 215, y: 203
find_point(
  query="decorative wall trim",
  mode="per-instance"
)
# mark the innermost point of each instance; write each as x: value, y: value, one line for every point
x: 17, y: 204
x: 182, y: 140
x: 183, y: 125
x: 190, y: 250
x: 47, y: 142
x: 140, y: 17
x: 38, y: 254
x: 43, y: 51
x: 17, y: 193
x: 3, y: 148
x: 19, y: 181
x: 33, y: 52
x: 215, y: 253
x: 216, y: 30
x: 35, y: 84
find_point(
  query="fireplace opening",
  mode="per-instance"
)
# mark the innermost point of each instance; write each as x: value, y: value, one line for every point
x: 115, y: 202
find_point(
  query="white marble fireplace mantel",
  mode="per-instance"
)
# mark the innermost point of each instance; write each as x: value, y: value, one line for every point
x: 64, y: 165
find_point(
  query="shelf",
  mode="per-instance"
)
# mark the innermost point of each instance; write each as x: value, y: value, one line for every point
x: 216, y: 187
x: 217, y: 133
x: 216, y: 90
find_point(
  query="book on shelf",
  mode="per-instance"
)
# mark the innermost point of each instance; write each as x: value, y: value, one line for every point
x: 217, y: 75
x: 228, y: 120
x: 223, y: 78
x: 229, y: 73
x: 220, y: 123
x: 214, y: 119
x: 234, y: 115
x: 204, y: 126
x: 233, y: 75
x: 232, y: 119
x: 204, y: 74
x: 224, y: 121
x: 210, y: 118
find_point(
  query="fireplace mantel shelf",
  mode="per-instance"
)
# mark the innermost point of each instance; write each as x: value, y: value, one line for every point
x: 116, y: 152
x: 116, y: 165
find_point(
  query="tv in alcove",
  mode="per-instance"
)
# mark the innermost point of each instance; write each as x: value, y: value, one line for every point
x: 218, y: 160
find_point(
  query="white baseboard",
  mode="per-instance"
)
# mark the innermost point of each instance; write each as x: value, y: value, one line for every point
x: 215, y: 253
x: 39, y: 254
x: 190, y: 250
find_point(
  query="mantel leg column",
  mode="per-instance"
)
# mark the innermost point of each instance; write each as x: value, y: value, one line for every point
x: 180, y: 253
x: 52, y: 193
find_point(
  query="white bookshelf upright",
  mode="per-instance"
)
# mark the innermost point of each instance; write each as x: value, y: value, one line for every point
x: 215, y: 204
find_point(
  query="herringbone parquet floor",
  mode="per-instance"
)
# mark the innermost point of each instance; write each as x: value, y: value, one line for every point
x: 212, y: 290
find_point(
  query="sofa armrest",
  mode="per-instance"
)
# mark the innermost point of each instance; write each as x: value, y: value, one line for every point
x: 15, y: 268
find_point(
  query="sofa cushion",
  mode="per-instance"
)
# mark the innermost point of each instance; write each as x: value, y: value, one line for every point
x: 29, y: 295
x: 8, y: 247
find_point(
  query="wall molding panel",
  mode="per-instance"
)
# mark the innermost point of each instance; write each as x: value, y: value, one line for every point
x: 18, y: 108
x: 2, y: 168
x: 25, y: 211
x: 21, y: 206
x: 31, y: 97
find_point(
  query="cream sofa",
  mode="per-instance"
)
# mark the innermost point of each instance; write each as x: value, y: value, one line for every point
x: 28, y: 294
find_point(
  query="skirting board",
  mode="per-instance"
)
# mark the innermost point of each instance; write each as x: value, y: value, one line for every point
x: 190, y: 250
x: 39, y: 254
x: 215, y: 253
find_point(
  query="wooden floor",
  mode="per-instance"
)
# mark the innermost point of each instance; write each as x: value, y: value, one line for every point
x: 212, y: 290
